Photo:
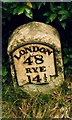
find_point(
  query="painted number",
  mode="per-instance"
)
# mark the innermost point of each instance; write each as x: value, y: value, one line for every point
x: 28, y: 61
x: 38, y: 59
x: 37, y: 78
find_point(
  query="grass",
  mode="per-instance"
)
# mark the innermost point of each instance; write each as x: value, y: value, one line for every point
x: 19, y: 104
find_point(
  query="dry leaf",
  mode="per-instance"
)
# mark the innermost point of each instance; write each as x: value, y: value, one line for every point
x: 54, y: 109
x: 29, y: 4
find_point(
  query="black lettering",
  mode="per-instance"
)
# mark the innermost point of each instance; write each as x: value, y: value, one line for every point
x: 49, y: 52
x: 29, y: 79
x: 42, y: 69
x: 22, y: 52
x: 37, y: 78
x: 43, y: 50
x: 17, y: 57
x: 38, y: 59
x: 28, y: 70
x: 35, y: 69
x: 35, y: 48
x: 28, y: 61
x: 45, y: 77
x: 28, y: 50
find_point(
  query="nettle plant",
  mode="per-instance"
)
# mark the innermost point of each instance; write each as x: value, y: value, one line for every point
x: 61, y: 12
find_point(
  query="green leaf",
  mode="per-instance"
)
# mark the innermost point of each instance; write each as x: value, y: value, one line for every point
x: 65, y: 50
x: 53, y: 7
x: 4, y: 8
x: 16, y: 10
x: 63, y: 17
x: 39, y: 4
x: 28, y: 13
x: 70, y: 67
x: 63, y: 12
x: 52, y: 17
x: 63, y: 25
x: 28, y: 10
x: 44, y: 3
x: 66, y: 60
x: 46, y: 14
x: 4, y: 71
x: 70, y: 56
x: 21, y: 10
x: 61, y: 6
x: 34, y: 5
x: 47, y: 20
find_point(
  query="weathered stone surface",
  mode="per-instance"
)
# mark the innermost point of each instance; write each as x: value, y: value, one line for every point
x: 34, y: 50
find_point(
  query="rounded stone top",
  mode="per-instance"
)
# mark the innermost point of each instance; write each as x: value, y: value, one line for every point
x: 34, y: 32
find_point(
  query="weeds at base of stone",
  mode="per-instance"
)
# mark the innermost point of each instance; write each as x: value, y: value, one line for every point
x: 18, y: 104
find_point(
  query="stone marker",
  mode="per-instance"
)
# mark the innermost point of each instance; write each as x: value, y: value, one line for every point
x: 34, y: 51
